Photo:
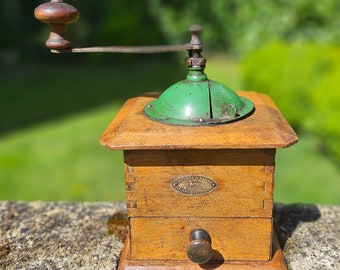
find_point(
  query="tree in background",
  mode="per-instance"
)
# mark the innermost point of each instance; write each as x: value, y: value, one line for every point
x: 241, y: 26
x: 106, y: 22
x: 286, y: 38
x: 233, y: 25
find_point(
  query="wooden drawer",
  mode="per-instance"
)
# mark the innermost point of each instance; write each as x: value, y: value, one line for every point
x: 244, y: 182
x: 232, y: 238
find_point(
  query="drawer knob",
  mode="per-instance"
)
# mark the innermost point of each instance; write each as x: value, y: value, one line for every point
x: 199, y: 250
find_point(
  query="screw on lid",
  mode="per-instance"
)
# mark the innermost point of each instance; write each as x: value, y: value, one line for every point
x: 197, y: 100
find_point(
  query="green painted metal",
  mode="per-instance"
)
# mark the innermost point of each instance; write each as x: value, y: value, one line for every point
x: 198, y: 101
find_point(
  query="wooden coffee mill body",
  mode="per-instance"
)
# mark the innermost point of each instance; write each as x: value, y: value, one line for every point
x: 217, y: 179
x: 199, y: 166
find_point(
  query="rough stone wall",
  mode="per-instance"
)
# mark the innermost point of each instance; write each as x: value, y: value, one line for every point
x: 63, y: 235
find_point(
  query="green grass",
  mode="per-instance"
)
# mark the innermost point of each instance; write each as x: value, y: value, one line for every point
x: 61, y: 159
x: 303, y: 174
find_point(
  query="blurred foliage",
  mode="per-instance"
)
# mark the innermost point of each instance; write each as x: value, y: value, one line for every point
x: 303, y: 79
x: 107, y: 22
x: 241, y: 26
x: 233, y: 25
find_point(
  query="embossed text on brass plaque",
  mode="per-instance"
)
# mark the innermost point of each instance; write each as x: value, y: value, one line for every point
x: 194, y: 184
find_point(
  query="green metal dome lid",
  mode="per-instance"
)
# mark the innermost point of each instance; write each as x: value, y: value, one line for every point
x: 197, y: 100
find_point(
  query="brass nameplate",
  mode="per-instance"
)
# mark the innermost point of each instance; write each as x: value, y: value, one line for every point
x: 194, y: 184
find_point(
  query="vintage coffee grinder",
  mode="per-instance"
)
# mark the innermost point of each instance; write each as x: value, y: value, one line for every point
x: 199, y: 165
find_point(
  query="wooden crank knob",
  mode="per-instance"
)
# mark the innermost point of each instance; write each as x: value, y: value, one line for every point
x: 58, y: 15
x: 199, y: 250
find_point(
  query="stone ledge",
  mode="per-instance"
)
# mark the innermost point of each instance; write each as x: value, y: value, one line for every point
x: 309, y: 235
x: 67, y: 235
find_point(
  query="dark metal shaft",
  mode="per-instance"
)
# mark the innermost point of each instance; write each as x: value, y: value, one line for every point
x: 128, y: 49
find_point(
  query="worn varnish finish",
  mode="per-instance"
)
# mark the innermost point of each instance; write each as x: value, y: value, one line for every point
x: 277, y: 262
x: 244, y: 179
x: 239, y: 157
x: 265, y: 128
x: 232, y: 238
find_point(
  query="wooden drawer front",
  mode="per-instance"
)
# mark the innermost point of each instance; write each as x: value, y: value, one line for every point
x: 244, y: 181
x: 232, y: 238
